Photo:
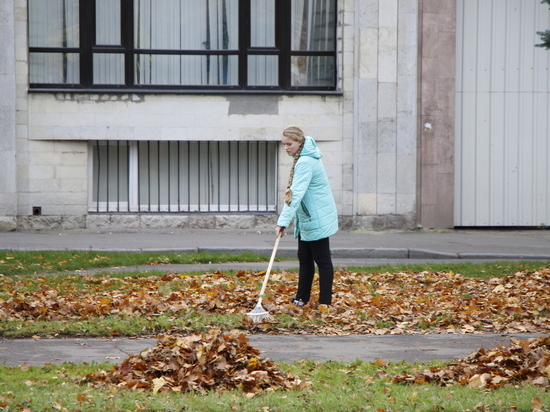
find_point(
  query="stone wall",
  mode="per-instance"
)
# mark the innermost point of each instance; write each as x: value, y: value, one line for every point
x: 385, y: 135
x: 367, y: 132
x: 122, y: 222
x: 61, y: 125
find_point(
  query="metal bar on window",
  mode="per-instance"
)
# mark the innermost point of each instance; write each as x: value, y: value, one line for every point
x: 219, y: 180
x: 248, y: 175
x: 179, y: 178
x: 199, y: 176
x: 107, y: 175
x: 229, y: 176
x: 128, y: 175
x: 238, y: 180
x: 188, y: 177
x: 118, y: 176
x: 169, y: 201
x: 254, y: 180
x: 266, y: 161
x: 98, y: 175
x: 159, y: 174
x: 257, y: 176
x: 138, y: 180
x: 208, y: 177
x: 149, y: 176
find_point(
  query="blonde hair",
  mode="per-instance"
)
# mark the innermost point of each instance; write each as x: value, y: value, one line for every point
x: 296, y: 134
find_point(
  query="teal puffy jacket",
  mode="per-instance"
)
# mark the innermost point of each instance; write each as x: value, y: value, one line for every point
x: 312, y: 206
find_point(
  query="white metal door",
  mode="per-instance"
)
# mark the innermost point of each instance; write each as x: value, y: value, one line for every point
x: 502, y: 114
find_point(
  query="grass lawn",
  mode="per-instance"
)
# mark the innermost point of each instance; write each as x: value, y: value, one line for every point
x: 110, y: 304
x: 355, y: 386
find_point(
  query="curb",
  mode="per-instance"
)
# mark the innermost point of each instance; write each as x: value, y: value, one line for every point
x: 337, y: 253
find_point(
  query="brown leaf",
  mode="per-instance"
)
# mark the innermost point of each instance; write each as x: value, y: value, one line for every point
x: 518, y: 362
x: 364, y: 303
x: 215, y: 361
x: 536, y: 403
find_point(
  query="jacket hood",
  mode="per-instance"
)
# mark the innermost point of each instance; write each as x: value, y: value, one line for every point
x: 310, y: 149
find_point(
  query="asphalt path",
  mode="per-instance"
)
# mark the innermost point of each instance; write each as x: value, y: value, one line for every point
x: 282, y: 348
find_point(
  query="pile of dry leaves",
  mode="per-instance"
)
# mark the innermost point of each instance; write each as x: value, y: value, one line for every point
x: 364, y: 303
x: 520, y: 362
x: 215, y: 361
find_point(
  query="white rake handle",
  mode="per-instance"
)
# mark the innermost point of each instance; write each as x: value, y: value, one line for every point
x: 268, y: 272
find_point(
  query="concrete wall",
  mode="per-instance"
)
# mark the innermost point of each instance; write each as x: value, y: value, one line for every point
x: 436, y: 127
x: 367, y: 133
x: 8, y: 188
x: 60, y: 125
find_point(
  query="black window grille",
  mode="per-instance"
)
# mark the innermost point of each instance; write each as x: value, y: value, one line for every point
x: 183, y: 176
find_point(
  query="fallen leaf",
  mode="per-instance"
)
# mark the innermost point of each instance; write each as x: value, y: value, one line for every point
x: 192, y: 363
x: 363, y: 303
x: 157, y: 384
x: 490, y: 369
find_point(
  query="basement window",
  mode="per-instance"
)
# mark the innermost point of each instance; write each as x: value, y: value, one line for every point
x: 184, y: 176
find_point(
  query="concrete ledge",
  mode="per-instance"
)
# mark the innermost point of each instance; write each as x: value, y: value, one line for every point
x: 178, y: 221
x: 429, y: 254
x: 405, y: 221
x: 165, y: 250
x: 505, y: 256
x: 8, y: 224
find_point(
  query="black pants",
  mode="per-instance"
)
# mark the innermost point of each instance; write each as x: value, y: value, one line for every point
x: 309, y: 253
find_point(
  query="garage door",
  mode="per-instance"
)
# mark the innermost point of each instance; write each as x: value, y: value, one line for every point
x: 502, y: 114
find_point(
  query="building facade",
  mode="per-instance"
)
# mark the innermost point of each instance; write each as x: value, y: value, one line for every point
x: 172, y: 118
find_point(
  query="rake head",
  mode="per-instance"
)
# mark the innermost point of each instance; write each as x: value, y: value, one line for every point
x: 259, y: 314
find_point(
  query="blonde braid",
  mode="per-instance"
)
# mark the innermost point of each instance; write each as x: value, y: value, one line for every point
x: 294, y: 133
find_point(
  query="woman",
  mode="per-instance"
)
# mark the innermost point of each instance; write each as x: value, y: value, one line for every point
x: 309, y: 201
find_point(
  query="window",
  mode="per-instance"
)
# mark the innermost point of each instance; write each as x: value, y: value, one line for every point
x: 155, y: 176
x: 174, y: 45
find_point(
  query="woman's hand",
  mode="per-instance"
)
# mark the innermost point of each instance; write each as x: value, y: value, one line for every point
x: 280, y: 231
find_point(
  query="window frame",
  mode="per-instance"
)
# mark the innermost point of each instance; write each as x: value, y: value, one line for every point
x: 87, y: 49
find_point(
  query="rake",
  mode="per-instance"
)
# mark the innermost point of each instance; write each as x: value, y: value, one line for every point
x: 259, y: 314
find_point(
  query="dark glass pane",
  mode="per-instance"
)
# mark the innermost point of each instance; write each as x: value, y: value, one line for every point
x: 262, y: 23
x: 313, y: 71
x: 108, y: 22
x: 53, y: 23
x: 191, y: 70
x: 313, y: 23
x: 186, y: 25
x: 54, y: 68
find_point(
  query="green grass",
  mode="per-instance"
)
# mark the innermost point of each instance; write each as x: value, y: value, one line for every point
x: 44, y: 262
x: 354, y: 386
x: 486, y: 270
x: 29, y: 263
x: 22, y: 266
x: 335, y: 386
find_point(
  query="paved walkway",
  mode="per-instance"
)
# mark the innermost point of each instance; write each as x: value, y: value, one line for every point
x: 449, y: 244
x: 349, y: 249
x: 285, y: 348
